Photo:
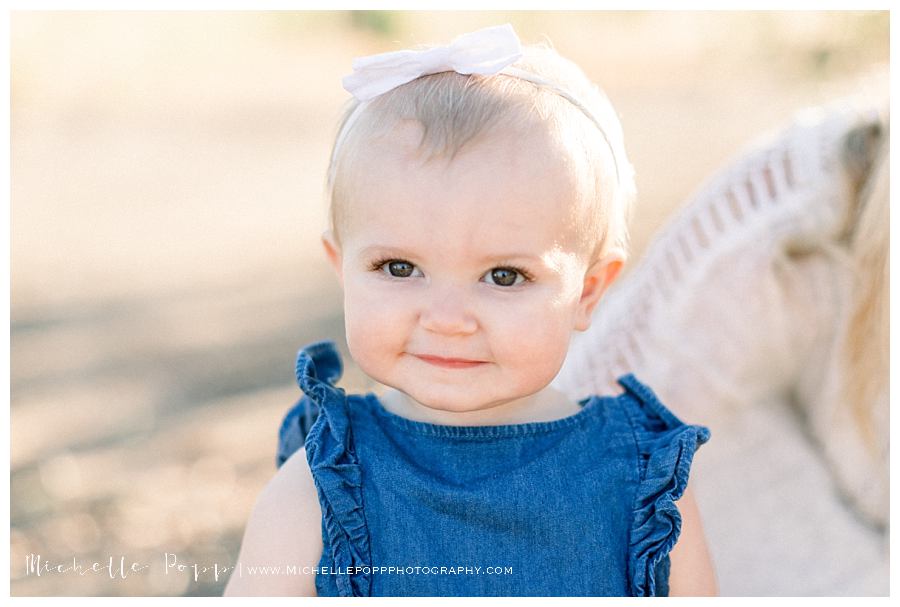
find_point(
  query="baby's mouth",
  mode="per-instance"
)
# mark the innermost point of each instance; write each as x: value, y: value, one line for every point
x: 449, y: 363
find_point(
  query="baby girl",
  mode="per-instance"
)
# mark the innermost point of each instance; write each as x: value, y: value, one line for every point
x: 479, y: 200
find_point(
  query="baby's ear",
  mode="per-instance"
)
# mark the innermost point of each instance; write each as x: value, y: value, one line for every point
x: 596, y: 280
x: 333, y: 251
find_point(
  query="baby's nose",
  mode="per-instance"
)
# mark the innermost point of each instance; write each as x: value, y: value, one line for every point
x: 447, y: 311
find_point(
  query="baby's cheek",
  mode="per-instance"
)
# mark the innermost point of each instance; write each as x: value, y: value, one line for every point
x: 373, y: 329
x: 535, y: 337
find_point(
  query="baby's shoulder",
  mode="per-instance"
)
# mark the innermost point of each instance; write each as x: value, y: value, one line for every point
x: 294, y: 480
x: 284, y: 527
x: 290, y: 496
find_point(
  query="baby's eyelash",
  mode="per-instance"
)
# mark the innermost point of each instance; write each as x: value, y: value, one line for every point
x: 525, y: 273
x: 377, y: 264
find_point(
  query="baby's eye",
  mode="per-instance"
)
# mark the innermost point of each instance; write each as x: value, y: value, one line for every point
x: 398, y: 268
x: 505, y: 277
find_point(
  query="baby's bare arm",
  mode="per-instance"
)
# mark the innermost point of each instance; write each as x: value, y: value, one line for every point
x: 691, y: 570
x: 285, y: 529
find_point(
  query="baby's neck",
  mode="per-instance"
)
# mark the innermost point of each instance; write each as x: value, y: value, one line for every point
x: 546, y: 405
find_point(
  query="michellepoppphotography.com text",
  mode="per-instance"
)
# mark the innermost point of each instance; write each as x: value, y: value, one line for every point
x: 121, y: 567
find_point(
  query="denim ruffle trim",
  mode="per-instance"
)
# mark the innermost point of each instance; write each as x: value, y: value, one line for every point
x: 335, y: 467
x: 295, y: 426
x: 666, y: 447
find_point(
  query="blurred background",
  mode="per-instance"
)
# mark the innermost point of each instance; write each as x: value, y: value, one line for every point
x: 167, y: 172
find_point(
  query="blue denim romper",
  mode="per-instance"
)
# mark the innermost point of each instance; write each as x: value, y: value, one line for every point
x: 579, y: 506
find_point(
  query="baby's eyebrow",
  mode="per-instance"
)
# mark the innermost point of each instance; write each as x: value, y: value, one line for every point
x: 386, y: 250
x: 509, y: 257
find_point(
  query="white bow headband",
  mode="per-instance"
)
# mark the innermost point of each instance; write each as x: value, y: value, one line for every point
x: 491, y: 50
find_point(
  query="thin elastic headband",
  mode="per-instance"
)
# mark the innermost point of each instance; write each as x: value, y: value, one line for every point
x: 491, y: 50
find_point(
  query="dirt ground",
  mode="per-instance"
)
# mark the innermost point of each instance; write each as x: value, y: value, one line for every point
x: 166, y: 177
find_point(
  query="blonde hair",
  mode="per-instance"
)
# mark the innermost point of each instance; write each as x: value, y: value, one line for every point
x: 865, y: 347
x: 454, y: 110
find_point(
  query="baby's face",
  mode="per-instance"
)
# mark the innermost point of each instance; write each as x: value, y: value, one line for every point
x: 463, y: 280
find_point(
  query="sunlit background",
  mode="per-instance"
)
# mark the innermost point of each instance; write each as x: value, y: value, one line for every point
x: 166, y: 179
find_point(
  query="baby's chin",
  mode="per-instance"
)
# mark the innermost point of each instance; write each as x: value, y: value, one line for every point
x: 459, y: 396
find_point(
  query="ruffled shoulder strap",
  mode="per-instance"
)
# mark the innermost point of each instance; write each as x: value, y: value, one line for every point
x: 317, y: 363
x: 333, y: 462
x: 666, y: 447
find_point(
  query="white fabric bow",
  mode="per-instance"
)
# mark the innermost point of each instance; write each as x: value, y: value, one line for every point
x: 484, y: 51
